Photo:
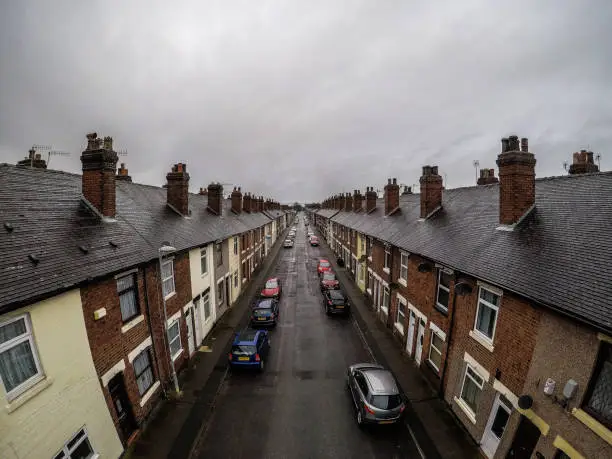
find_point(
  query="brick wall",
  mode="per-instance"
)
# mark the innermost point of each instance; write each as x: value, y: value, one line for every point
x: 98, y: 187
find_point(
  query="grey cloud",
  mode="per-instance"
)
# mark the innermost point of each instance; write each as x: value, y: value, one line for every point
x: 300, y: 100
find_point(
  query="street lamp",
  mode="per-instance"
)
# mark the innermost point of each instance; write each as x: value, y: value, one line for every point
x: 166, y: 249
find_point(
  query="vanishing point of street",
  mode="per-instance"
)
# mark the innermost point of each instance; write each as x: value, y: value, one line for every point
x: 299, y: 406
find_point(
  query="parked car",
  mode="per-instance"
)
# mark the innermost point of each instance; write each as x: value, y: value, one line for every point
x: 249, y: 349
x: 323, y: 266
x: 310, y: 234
x: 335, y: 301
x: 375, y: 394
x: 272, y: 288
x: 329, y: 281
x: 291, y: 234
x: 288, y: 243
x: 314, y: 241
x: 264, y: 312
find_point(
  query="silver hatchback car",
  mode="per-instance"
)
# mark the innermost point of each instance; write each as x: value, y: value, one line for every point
x: 375, y: 393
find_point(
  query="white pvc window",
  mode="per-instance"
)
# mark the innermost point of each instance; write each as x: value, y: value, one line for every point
x: 404, y: 267
x: 443, y: 293
x: 77, y: 448
x: 167, y: 272
x: 203, y: 261
x: 435, y: 350
x: 471, y: 388
x: 486, y: 315
x: 174, y: 338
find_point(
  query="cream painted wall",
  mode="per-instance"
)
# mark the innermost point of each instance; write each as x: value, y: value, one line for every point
x: 199, y: 283
x: 68, y: 398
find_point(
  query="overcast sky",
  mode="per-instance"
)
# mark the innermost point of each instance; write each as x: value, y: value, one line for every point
x: 299, y: 100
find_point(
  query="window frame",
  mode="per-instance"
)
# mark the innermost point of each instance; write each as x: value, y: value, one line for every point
x: 235, y: 245
x: 133, y: 288
x: 431, y: 346
x: 480, y: 386
x: 221, y: 291
x: 146, y: 352
x: 176, y: 322
x: 604, y: 348
x: 387, y: 259
x: 27, y: 336
x: 206, y: 300
x: 403, y: 267
x: 170, y: 262
x: 67, y: 452
x: 400, y: 323
x: 439, y: 286
x: 203, y: 261
x: 385, y: 298
x: 219, y: 253
x: 479, y: 333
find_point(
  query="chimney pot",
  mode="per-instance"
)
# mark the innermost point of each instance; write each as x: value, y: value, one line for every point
x: 395, y: 181
x: 525, y: 144
x: 513, y: 142
x: 505, y: 144
x: 98, y: 180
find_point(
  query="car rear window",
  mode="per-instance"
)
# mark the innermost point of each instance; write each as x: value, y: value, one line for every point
x: 328, y: 276
x: 271, y: 284
x: 261, y: 312
x: 242, y: 349
x: 325, y: 264
x: 386, y: 402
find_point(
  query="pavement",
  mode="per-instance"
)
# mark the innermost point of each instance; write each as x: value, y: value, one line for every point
x: 298, y: 407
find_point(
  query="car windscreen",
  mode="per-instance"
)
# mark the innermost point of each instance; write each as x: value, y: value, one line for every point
x: 242, y: 349
x: 324, y: 264
x: 329, y: 277
x: 271, y: 284
x: 262, y: 312
x: 337, y: 300
x: 386, y: 402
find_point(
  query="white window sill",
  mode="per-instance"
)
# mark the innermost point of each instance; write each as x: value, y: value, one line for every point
x: 387, y: 270
x: 402, y: 282
x: 32, y: 390
x: 369, y: 259
x: 145, y: 398
x: 132, y: 323
x: 466, y: 410
x: 482, y: 340
x: 433, y: 365
x: 177, y: 355
x: 369, y: 291
x: 170, y: 295
x: 385, y: 310
x: 399, y: 327
x: 204, y: 274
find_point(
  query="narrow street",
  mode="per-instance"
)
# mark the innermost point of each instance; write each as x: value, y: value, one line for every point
x: 299, y: 407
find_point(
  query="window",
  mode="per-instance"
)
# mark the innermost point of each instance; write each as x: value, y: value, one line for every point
x: 385, y: 300
x: 472, y: 386
x: 387, y: 258
x: 435, y: 350
x: 174, y: 338
x: 143, y: 371
x: 203, y: 261
x: 561, y: 455
x: 400, y: 317
x: 404, y: 267
x: 219, y: 252
x: 235, y: 246
x: 443, y: 293
x: 235, y: 280
x: 486, y: 316
x: 77, y: 448
x: 206, y: 301
x: 127, y: 288
x: 363, y: 246
x: 19, y: 363
x: 598, y: 402
x: 167, y: 273
x: 220, y: 292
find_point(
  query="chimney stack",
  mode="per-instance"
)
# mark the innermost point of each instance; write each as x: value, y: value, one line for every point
x: 407, y: 190
x: 33, y: 160
x: 348, y: 202
x: 246, y: 203
x: 215, y: 198
x: 431, y: 190
x: 583, y: 163
x: 122, y: 174
x: 177, y: 192
x: 371, y: 197
x: 203, y: 191
x: 391, y: 196
x: 516, y: 181
x: 487, y: 177
x: 237, y: 200
x: 98, y: 181
x: 357, y: 206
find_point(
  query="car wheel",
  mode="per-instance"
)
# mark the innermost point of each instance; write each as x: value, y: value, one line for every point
x: 359, y: 418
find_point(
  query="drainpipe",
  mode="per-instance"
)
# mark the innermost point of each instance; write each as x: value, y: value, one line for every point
x: 460, y: 288
x: 157, y: 362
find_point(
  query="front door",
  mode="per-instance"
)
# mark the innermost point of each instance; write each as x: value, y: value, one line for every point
x: 227, y: 291
x: 411, y: 327
x: 500, y: 413
x: 197, y: 315
x: 525, y: 440
x: 419, y: 342
x: 190, y: 337
x: 123, y: 408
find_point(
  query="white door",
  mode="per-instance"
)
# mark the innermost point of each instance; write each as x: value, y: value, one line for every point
x: 411, y: 327
x: 197, y: 314
x: 419, y: 343
x: 500, y: 413
x: 190, y: 337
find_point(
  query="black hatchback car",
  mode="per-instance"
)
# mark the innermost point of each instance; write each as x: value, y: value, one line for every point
x: 336, y: 302
x: 264, y: 312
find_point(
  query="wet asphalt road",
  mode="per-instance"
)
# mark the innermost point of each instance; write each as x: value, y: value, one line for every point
x: 299, y: 406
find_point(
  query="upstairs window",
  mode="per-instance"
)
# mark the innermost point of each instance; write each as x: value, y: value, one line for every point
x: 203, y: 261
x: 387, y: 258
x: 598, y: 399
x: 443, y: 292
x: 404, y: 267
x: 127, y: 288
x: 486, y: 315
x: 235, y: 246
x: 219, y: 252
x: 167, y: 273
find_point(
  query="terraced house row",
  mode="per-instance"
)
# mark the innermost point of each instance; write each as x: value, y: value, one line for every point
x: 108, y: 288
x: 500, y: 293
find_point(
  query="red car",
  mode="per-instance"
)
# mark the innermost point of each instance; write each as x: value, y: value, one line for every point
x: 272, y: 289
x: 314, y: 241
x: 323, y: 266
x: 329, y: 281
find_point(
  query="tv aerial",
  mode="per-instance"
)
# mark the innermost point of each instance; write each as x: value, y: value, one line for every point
x: 50, y: 152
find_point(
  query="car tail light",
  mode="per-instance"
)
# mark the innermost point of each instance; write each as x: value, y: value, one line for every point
x: 368, y: 409
x: 402, y: 408
x: 230, y: 356
x: 257, y: 358
x: 329, y: 302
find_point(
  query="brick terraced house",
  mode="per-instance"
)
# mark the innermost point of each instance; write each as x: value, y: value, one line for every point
x: 109, y: 287
x: 500, y: 294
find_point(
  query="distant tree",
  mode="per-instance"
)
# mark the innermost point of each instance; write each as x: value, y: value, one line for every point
x: 297, y: 207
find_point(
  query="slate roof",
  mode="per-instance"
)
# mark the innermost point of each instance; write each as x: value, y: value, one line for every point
x: 50, y: 221
x: 326, y: 213
x: 559, y: 256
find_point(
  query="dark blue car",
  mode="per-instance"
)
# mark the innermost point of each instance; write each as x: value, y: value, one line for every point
x: 264, y: 312
x: 249, y: 349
